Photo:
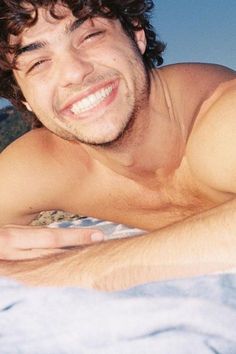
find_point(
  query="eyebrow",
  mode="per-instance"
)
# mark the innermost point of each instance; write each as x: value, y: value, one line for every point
x: 29, y: 48
x: 39, y: 45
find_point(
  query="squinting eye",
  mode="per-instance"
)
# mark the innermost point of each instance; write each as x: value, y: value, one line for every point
x: 35, y: 65
x: 94, y: 34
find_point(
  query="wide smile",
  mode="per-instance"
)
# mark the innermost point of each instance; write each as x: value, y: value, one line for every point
x: 96, y: 99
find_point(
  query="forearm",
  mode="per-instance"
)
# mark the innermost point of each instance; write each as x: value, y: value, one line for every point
x: 54, y: 270
x: 198, y: 245
x: 74, y: 267
x: 202, y: 244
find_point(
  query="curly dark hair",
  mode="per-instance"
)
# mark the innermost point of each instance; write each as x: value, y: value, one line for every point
x: 16, y: 15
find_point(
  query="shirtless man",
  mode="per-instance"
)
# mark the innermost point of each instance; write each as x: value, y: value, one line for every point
x: 122, y: 140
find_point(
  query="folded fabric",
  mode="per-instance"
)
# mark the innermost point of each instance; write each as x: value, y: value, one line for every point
x: 110, y: 229
x: 196, y: 315
x: 191, y: 316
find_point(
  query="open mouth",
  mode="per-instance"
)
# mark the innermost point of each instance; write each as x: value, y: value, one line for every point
x: 98, y: 98
x: 91, y: 101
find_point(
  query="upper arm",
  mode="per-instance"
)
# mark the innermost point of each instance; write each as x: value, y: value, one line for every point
x: 13, y: 197
x: 25, y: 185
x: 211, y: 149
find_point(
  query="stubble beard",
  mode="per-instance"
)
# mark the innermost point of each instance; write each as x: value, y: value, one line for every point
x: 131, y: 126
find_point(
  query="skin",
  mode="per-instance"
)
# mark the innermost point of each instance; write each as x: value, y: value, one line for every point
x: 161, y: 162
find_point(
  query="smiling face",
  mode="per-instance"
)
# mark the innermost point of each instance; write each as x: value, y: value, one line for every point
x: 86, y: 80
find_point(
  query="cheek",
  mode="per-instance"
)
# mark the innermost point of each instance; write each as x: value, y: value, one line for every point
x: 33, y: 90
x: 39, y: 98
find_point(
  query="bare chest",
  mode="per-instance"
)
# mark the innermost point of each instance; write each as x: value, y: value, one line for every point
x: 149, y: 205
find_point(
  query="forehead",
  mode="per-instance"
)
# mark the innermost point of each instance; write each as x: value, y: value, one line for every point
x: 50, y: 32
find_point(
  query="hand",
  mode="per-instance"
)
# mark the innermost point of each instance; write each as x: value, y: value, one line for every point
x: 25, y: 242
x: 106, y: 266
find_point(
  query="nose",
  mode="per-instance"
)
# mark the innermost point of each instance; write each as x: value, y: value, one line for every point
x: 73, y: 69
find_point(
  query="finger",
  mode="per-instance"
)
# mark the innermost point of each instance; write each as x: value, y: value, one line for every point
x: 33, y: 238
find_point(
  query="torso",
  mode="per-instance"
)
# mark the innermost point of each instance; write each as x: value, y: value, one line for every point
x: 109, y: 196
x: 104, y: 194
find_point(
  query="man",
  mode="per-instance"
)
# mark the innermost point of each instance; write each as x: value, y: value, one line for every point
x: 149, y: 147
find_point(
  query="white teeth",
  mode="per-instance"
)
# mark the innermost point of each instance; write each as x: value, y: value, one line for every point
x: 91, y: 101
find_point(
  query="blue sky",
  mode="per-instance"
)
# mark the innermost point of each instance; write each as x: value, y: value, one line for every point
x: 197, y: 30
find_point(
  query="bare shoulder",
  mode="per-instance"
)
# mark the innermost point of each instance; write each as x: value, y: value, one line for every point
x: 186, y: 72
x: 36, y: 142
x: 211, y: 148
x: 28, y: 153
x: 33, y: 175
x: 189, y: 85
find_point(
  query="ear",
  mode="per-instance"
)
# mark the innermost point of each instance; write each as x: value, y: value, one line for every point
x: 27, y: 106
x: 141, y: 41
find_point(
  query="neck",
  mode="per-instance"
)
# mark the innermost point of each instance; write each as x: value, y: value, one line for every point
x: 153, y: 146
